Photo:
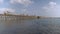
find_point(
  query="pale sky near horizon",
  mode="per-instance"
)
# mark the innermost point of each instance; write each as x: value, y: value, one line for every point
x: 32, y: 7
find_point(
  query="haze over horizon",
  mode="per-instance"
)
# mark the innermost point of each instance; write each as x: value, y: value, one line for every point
x: 31, y: 7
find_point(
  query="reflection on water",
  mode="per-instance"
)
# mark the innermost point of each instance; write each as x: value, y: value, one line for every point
x: 35, y: 26
x: 19, y: 27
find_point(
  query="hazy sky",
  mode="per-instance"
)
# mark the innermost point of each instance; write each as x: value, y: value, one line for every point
x: 31, y: 7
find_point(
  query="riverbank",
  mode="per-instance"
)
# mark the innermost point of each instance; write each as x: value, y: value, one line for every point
x: 16, y: 17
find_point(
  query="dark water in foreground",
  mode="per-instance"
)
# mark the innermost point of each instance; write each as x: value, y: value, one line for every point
x: 35, y: 26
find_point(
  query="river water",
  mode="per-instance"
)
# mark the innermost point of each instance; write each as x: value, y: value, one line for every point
x: 32, y: 26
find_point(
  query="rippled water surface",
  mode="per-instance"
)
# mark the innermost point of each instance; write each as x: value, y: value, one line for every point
x: 34, y: 26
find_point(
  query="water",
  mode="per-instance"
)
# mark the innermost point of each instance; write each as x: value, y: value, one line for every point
x: 34, y: 26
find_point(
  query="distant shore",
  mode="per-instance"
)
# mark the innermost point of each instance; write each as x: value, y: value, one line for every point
x: 16, y: 17
x: 21, y: 17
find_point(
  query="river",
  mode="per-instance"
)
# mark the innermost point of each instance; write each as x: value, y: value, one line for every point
x: 31, y: 26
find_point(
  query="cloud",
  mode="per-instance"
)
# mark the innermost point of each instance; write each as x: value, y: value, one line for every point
x: 24, y: 2
x: 1, y: 1
x: 52, y: 8
x: 2, y: 10
x: 51, y: 5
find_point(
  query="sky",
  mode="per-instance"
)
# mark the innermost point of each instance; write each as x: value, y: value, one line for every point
x: 31, y: 7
